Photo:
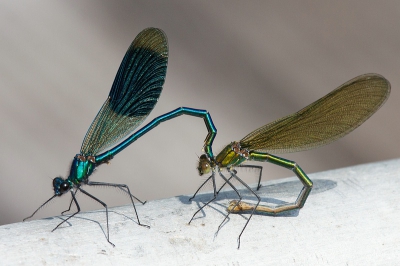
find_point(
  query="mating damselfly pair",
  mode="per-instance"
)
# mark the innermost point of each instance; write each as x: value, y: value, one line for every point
x: 134, y: 93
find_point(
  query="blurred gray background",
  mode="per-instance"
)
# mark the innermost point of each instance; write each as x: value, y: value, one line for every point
x: 246, y: 62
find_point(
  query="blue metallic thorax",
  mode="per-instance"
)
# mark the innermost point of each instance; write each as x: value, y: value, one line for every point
x: 81, y: 168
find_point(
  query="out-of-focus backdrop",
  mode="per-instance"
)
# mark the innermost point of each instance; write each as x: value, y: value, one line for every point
x: 246, y: 62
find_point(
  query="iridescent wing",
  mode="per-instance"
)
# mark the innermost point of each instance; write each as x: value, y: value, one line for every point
x: 134, y: 93
x: 323, y: 121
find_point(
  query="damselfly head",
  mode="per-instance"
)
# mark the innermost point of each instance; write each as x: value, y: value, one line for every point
x: 204, y: 165
x: 60, y: 186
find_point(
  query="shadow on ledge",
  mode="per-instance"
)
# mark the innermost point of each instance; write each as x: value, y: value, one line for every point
x: 269, y: 194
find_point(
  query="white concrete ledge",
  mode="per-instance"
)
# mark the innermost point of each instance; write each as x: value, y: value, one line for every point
x: 352, y: 216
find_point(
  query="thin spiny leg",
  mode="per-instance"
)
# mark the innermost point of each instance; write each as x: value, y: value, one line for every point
x: 194, y: 195
x: 122, y: 187
x: 105, y: 206
x: 258, y: 202
x: 142, y: 202
x: 70, y: 204
x: 237, y: 192
x: 72, y: 215
x: 41, y: 206
x: 119, y: 186
x: 254, y: 166
x: 229, y: 179
x: 69, y: 208
x: 246, y: 166
x: 215, y: 196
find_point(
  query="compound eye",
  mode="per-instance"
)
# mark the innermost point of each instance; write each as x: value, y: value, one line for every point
x: 200, y: 171
x: 204, y: 166
x: 64, y: 187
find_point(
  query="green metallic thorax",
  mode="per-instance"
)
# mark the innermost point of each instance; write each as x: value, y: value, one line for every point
x: 81, y: 168
x: 229, y: 156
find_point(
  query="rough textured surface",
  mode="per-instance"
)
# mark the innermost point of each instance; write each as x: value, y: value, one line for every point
x: 351, y: 217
